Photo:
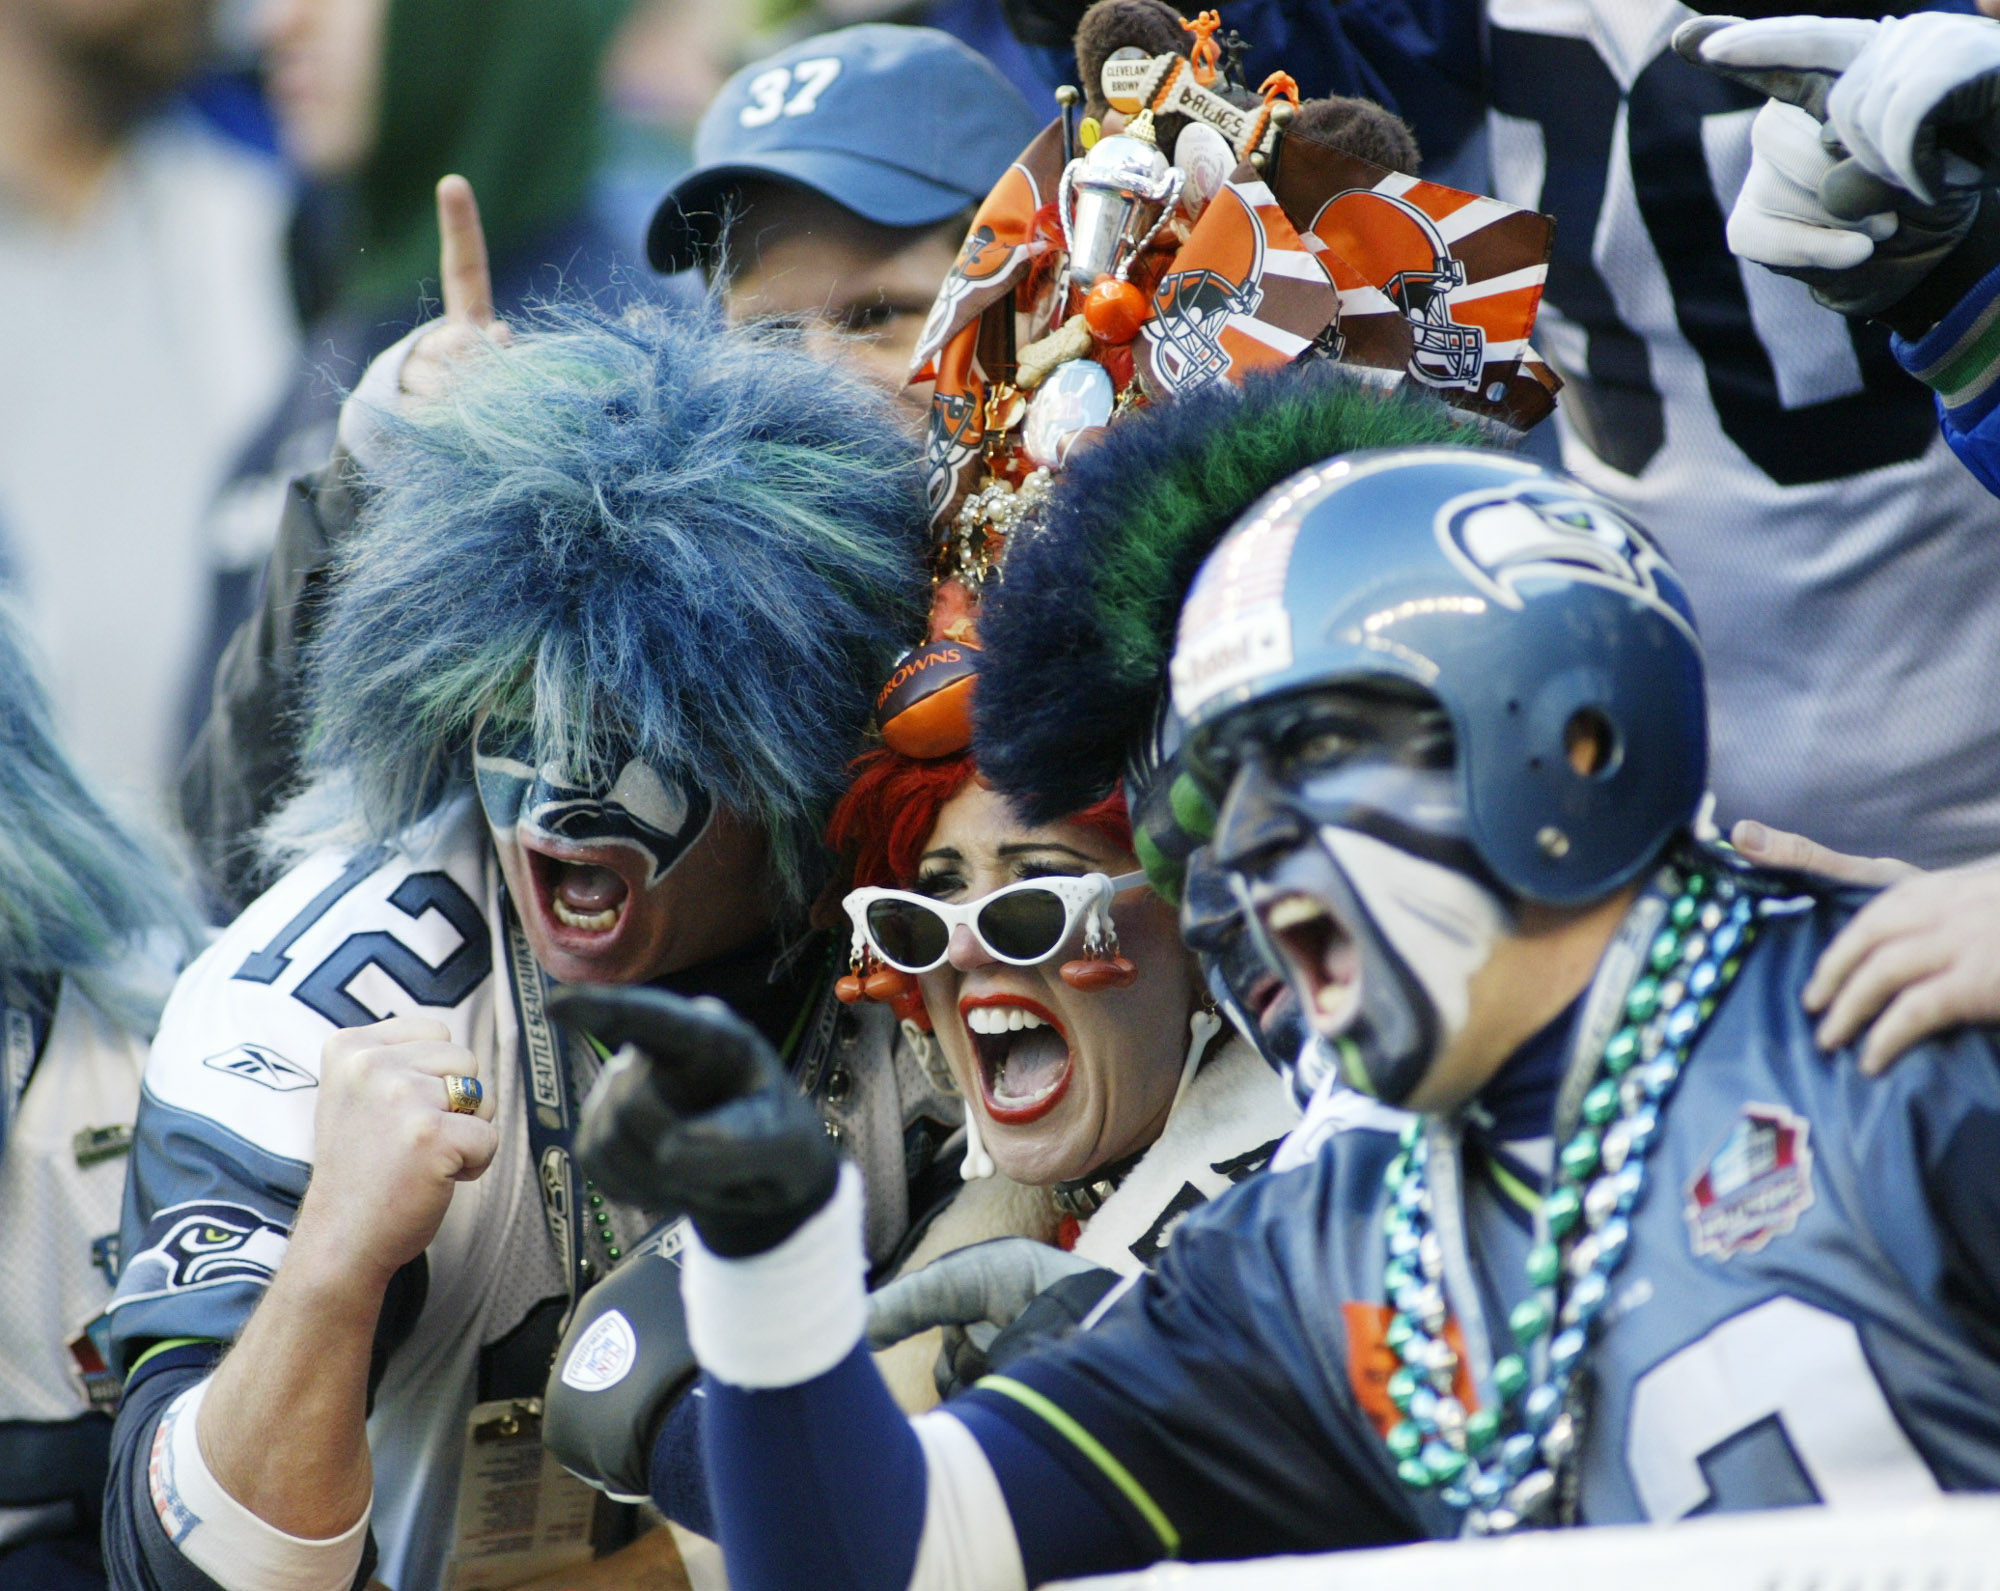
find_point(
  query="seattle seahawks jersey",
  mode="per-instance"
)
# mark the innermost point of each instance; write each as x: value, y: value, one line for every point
x: 225, y: 1146
x: 1839, y: 557
x: 1809, y: 1311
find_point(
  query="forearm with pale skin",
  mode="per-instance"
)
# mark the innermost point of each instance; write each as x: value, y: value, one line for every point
x: 300, y: 1369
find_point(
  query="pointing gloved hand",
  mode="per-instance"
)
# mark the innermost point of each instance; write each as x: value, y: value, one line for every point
x: 975, y: 1293
x: 1871, y: 162
x: 695, y: 1114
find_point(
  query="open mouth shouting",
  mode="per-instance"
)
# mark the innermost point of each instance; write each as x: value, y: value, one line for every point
x: 583, y: 894
x: 1024, y: 1057
x: 1323, y: 956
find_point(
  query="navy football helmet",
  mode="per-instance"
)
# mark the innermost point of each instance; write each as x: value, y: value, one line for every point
x: 1528, y: 607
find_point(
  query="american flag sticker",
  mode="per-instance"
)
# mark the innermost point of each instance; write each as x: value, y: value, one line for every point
x: 1244, y: 293
x: 1441, y: 284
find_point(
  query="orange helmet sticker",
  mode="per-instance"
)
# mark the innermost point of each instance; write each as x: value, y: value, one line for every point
x: 1244, y: 293
x: 1463, y: 275
x: 957, y: 422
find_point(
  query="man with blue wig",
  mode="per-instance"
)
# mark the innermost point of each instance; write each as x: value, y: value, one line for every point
x: 592, y: 661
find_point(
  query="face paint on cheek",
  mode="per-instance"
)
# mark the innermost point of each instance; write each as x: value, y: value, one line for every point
x: 641, y: 810
x: 1424, y: 930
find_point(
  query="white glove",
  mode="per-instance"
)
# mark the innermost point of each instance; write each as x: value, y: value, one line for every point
x: 1779, y: 220
x: 1865, y: 245
x: 1903, y: 85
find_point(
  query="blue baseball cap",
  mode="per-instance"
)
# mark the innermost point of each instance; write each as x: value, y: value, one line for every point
x: 903, y: 126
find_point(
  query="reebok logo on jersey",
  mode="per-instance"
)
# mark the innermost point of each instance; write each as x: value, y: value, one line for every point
x: 1755, y: 1187
x: 256, y: 1063
x: 203, y: 1244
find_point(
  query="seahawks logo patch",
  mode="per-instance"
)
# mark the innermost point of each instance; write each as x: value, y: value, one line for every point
x: 1504, y: 537
x: 204, y: 1245
x: 257, y: 1063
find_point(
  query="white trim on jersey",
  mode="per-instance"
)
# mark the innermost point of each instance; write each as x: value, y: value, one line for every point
x: 968, y: 1542
x: 226, y: 1541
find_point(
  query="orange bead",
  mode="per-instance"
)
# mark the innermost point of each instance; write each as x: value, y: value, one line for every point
x: 1091, y: 976
x: 909, y: 1007
x: 1113, y: 310
x: 847, y: 990
x: 886, y: 983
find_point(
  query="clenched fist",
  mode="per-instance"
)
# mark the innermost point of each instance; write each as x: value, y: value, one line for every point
x: 390, y: 1150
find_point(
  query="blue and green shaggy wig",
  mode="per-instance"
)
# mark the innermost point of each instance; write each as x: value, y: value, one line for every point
x: 700, y: 545
x: 80, y: 897
x: 1078, y: 634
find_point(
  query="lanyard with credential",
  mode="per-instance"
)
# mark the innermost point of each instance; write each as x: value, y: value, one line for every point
x: 546, y: 1075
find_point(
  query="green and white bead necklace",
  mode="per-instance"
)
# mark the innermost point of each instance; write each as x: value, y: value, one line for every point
x: 1506, y: 1467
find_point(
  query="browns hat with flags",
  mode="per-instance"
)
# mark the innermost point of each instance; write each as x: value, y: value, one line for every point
x: 903, y: 126
x: 1193, y: 234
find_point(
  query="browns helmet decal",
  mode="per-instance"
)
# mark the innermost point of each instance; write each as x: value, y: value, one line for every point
x: 1244, y: 294
x: 1442, y: 284
x: 997, y: 250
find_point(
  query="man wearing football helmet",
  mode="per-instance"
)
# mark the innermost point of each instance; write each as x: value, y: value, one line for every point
x: 1452, y: 704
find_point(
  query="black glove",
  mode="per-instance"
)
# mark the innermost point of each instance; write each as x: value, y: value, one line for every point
x: 623, y: 1365
x: 974, y: 1293
x: 695, y: 1114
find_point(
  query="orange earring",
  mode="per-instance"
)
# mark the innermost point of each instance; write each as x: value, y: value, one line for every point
x: 886, y: 984
x: 1111, y: 971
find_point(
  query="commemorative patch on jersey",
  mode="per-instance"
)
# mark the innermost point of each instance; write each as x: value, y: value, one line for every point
x: 262, y: 1065
x: 203, y: 1244
x: 1755, y: 1186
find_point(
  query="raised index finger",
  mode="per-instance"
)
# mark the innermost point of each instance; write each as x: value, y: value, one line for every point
x: 463, y: 274
x: 1794, y: 63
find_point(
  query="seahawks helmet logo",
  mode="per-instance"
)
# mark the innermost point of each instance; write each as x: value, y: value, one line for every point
x: 204, y: 1245
x: 1504, y: 537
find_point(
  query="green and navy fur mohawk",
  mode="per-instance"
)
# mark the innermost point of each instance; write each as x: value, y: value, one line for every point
x: 80, y: 897
x: 701, y: 544
x: 1078, y: 633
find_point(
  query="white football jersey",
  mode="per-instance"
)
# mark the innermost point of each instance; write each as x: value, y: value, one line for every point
x: 1840, y: 559
x: 226, y: 1141
x: 57, y: 1197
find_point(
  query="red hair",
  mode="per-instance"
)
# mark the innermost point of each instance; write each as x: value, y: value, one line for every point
x: 893, y: 803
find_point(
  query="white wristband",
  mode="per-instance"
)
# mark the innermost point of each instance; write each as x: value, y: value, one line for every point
x: 379, y: 392
x: 222, y: 1538
x: 783, y: 1317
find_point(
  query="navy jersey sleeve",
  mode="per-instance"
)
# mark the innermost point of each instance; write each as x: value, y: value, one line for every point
x: 1959, y: 360
x: 138, y: 1553
x: 1211, y: 1408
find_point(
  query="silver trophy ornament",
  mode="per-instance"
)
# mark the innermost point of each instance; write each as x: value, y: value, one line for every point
x: 1113, y: 199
